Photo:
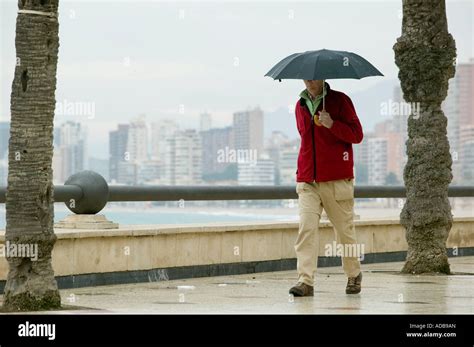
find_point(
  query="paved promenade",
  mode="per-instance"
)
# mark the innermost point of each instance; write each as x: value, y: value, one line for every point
x: 384, y: 290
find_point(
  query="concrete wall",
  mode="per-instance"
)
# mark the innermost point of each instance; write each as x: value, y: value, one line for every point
x: 142, y: 247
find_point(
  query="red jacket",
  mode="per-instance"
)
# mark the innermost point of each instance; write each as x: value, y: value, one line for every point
x: 326, y: 154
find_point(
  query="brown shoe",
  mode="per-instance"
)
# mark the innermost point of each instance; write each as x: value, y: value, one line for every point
x: 302, y: 289
x: 353, y: 284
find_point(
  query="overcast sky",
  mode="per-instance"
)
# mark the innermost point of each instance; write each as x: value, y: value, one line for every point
x: 133, y: 57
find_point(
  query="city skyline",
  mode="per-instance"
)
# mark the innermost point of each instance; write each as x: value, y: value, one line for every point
x: 139, y: 151
x: 119, y: 74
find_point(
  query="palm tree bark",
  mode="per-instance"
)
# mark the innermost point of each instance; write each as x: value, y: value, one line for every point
x: 425, y: 54
x: 29, y: 199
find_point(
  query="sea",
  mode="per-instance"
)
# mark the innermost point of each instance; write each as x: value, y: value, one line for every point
x: 162, y: 216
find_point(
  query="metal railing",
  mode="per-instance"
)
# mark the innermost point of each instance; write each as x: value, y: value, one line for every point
x: 87, y: 192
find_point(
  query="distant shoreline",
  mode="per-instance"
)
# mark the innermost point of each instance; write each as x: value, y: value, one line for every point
x: 279, y: 212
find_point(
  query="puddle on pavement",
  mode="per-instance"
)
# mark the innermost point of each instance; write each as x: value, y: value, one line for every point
x: 246, y: 297
x: 463, y: 274
x: 342, y: 308
x: 409, y: 302
x: 421, y: 282
x: 173, y: 303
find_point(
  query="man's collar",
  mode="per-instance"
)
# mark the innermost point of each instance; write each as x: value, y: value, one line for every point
x: 305, y: 94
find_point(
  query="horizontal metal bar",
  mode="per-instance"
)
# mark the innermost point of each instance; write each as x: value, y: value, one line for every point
x: 67, y: 192
x: 171, y: 193
x: 61, y: 193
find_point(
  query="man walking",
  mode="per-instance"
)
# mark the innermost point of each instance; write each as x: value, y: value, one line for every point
x: 325, y: 179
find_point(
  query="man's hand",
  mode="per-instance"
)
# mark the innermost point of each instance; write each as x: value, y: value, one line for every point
x: 325, y: 119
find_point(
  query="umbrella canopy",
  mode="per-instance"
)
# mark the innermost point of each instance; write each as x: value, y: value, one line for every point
x: 321, y: 65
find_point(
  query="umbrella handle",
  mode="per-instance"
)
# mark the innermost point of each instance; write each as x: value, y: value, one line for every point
x: 316, y: 117
x: 324, y: 103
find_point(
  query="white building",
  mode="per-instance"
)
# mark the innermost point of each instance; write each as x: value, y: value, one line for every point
x: 205, y: 121
x: 183, y: 158
x: 361, y: 160
x: 3, y: 171
x: 57, y: 165
x: 261, y: 172
x: 70, y: 151
x: 287, y: 165
x: 248, y: 130
x: 160, y: 131
x: 137, y: 145
x: 466, y: 142
x: 458, y: 108
x: 127, y: 173
x: 150, y: 171
x: 377, y: 160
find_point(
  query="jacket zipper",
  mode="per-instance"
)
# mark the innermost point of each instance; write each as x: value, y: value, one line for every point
x: 314, y: 146
x: 314, y: 143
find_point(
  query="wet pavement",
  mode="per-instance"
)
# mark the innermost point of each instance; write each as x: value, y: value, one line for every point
x: 384, y: 290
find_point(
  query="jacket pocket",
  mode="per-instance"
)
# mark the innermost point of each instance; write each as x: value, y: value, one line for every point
x: 344, y: 189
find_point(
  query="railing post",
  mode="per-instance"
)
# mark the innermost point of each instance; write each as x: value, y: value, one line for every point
x: 95, y: 194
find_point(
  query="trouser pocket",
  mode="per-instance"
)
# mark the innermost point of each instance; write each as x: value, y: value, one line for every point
x: 301, y: 187
x: 344, y: 189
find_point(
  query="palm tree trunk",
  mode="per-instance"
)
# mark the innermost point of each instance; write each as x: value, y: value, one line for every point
x: 425, y: 54
x: 29, y: 199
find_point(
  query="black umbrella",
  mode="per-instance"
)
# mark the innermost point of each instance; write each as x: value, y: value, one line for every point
x: 321, y: 65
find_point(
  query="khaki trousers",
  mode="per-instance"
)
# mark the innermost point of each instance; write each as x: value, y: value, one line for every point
x: 337, y: 199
